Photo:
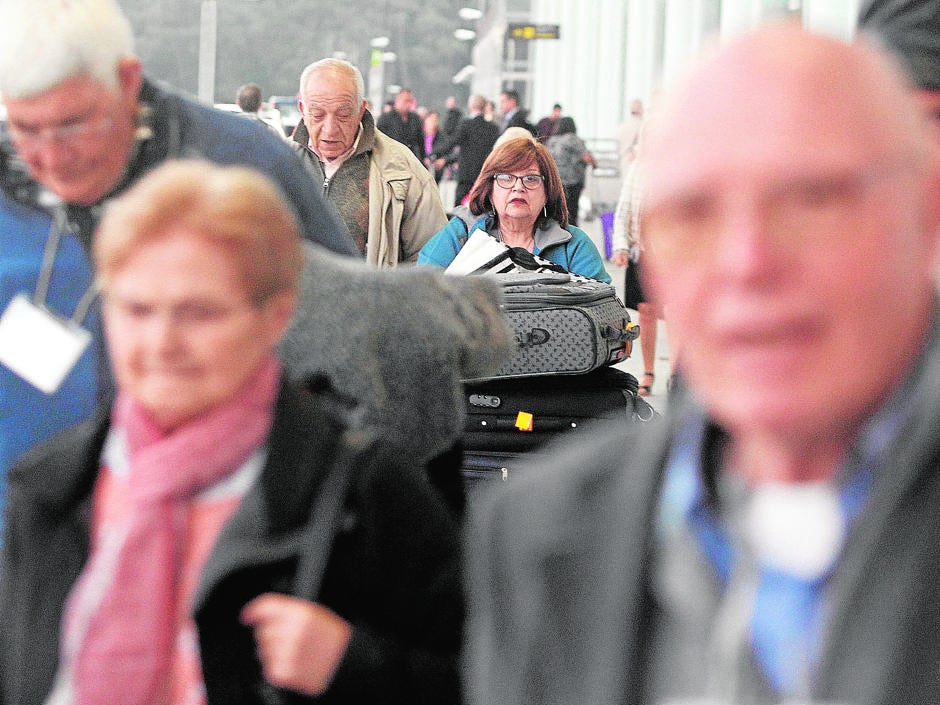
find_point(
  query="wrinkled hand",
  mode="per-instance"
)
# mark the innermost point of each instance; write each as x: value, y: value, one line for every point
x: 300, y: 643
x: 620, y: 259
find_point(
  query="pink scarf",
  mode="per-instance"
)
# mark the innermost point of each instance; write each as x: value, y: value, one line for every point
x: 125, y: 597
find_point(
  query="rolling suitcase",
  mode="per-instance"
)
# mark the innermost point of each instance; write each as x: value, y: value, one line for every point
x: 508, y: 417
x: 563, y: 324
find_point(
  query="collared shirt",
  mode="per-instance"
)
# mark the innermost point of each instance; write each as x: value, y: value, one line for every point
x: 331, y: 166
x: 734, y: 620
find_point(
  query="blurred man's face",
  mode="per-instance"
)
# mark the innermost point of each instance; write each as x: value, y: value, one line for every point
x: 77, y: 137
x: 331, y: 113
x: 779, y: 224
x: 506, y: 103
x: 404, y: 102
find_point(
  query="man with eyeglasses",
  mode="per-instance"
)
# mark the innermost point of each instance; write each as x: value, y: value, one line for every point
x: 83, y: 124
x: 773, y: 538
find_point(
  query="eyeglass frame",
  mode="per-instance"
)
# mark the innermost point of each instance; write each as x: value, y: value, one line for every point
x: 540, y: 181
x: 58, y: 134
x: 800, y: 210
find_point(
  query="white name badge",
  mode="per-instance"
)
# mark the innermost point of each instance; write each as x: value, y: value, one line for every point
x: 37, y: 345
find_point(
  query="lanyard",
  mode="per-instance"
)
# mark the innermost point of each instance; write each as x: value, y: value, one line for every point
x: 59, y: 226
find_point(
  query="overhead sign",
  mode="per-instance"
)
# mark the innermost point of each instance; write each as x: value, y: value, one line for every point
x: 533, y: 31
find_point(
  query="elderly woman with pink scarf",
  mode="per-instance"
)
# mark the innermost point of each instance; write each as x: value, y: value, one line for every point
x: 167, y: 552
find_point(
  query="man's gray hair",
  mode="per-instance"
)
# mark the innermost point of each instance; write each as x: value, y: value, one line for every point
x: 335, y: 66
x: 45, y: 42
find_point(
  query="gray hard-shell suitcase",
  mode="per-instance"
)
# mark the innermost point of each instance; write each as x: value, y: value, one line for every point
x: 563, y: 324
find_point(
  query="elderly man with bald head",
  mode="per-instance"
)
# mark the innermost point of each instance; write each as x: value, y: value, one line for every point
x: 385, y: 196
x: 772, y: 539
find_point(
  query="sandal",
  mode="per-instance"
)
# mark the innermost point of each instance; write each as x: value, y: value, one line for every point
x: 646, y: 389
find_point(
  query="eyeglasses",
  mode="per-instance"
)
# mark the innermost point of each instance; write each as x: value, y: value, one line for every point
x: 26, y: 138
x: 799, y: 211
x: 529, y: 181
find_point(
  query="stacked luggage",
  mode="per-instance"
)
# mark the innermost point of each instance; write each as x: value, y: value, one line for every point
x: 568, y: 332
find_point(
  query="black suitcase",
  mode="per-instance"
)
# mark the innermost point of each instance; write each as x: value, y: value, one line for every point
x: 515, y: 415
x: 481, y: 470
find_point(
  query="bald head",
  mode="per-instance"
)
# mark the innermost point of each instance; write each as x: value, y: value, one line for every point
x: 766, y: 90
x: 792, y: 192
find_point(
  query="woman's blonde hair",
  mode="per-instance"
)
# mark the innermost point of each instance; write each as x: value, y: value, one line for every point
x: 238, y: 208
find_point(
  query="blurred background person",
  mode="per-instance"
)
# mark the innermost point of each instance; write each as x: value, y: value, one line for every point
x: 489, y: 111
x: 628, y: 134
x: 468, y: 147
x: 433, y: 139
x: 572, y: 159
x: 403, y: 124
x: 628, y: 251
x: 248, y: 100
x: 183, y: 513
x: 518, y: 199
x: 547, y: 126
x: 452, y: 116
x: 513, y: 115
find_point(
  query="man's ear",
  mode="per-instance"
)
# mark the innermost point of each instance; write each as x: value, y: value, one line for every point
x: 932, y: 209
x: 130, y: 79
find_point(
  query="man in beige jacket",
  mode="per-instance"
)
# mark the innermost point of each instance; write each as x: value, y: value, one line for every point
x: 385, y: 196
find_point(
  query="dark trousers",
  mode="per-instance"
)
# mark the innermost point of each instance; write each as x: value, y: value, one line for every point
x: 572, y: 196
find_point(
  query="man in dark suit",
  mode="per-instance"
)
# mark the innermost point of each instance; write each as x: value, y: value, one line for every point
x: 403, y: 124
x: 452, y: 116
x: 773, y: 538
x: 513, y: 115
x: 469, y: 147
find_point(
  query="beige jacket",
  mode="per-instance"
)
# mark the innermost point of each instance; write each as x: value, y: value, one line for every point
x: 405, y: 207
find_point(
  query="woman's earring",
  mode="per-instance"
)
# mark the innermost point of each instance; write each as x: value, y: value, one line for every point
x: 545, y: 210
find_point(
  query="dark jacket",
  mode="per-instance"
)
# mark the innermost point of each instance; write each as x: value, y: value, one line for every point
x: 452, y: 118
x: 475, y: 137
x: 520, y: 118
x: 560, y: 571
x: 393, y: 571
x: 409, y: 132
